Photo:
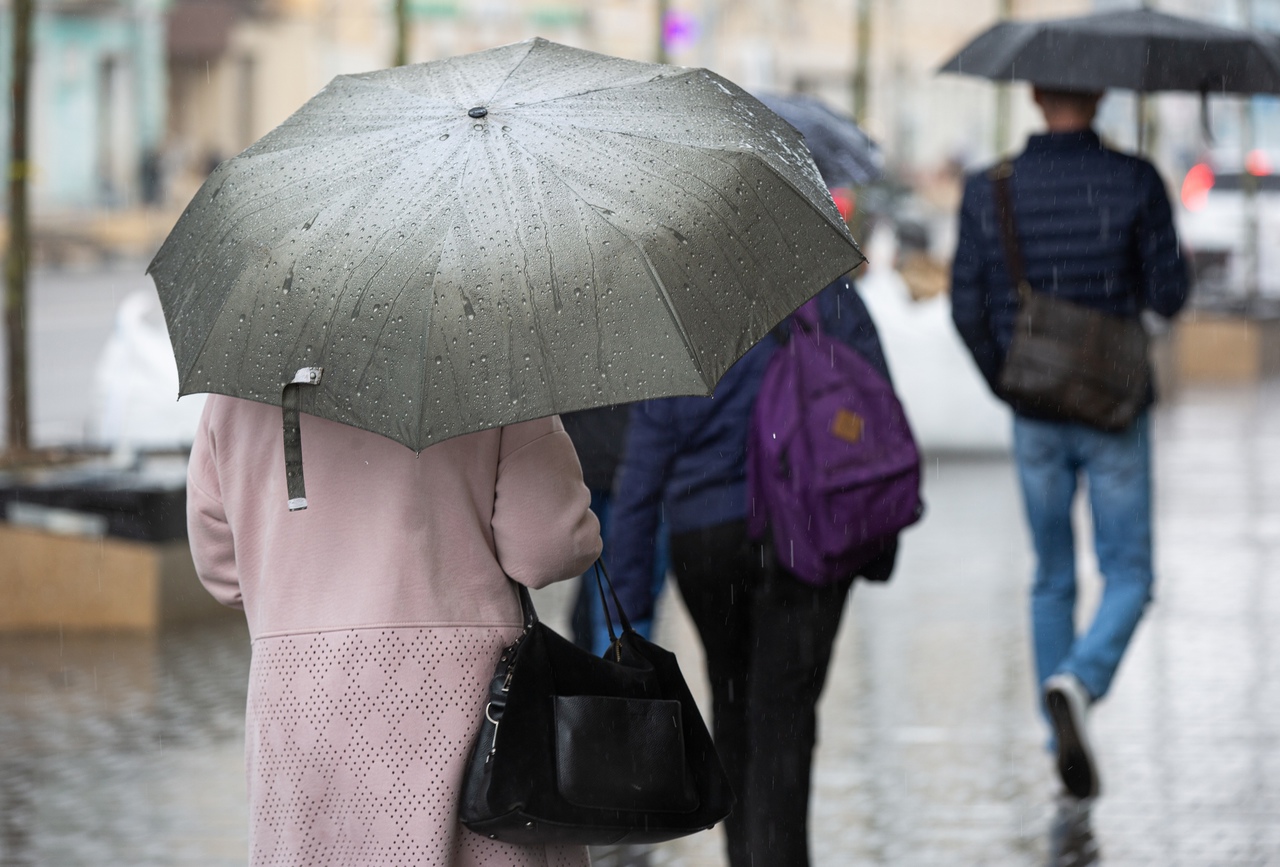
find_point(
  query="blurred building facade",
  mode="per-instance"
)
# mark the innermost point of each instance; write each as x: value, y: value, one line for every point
x: 97, y: 101
x: 135, y: 100
x: 240, y: 67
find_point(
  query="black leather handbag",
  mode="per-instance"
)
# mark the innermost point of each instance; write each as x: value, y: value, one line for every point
x: 1068, y: 362
x: 581, y: 749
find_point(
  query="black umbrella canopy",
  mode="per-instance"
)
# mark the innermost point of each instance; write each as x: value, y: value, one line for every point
x: 845, y: 155
x: 496, y: 237
x: 1138, y: 49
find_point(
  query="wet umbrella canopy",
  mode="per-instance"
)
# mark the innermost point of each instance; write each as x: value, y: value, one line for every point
x: 451, y: 246
x: 1137, y: 49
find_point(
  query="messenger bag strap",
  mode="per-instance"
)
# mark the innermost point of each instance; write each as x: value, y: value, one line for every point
x: 1008, y: 232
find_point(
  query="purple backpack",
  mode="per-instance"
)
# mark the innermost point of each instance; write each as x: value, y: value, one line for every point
x: 832, y: 467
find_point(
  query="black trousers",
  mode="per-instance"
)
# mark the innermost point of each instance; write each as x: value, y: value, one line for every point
x: 768, y: 640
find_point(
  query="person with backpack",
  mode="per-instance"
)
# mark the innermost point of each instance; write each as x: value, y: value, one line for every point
x: 1059, y: 251
x: 767, y: 634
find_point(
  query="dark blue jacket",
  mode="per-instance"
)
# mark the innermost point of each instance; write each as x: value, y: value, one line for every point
x: 1094, y: 226
x: 687, y: 455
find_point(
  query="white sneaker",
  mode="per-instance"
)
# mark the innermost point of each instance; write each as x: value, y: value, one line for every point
x: 1068, y: 703
x: 1071, y: 840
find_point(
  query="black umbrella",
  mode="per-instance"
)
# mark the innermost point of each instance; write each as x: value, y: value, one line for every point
x: 845, y: 155
x: 1138, y: 49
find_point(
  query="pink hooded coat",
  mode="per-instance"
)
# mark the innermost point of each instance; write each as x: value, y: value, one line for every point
x: 377, y: 615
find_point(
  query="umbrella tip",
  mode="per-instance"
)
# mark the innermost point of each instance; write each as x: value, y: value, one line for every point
x: 478, y: 112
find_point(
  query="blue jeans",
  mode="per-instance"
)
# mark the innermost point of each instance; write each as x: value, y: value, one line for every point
x: 1051, y: 457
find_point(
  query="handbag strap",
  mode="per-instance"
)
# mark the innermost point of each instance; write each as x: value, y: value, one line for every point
x: 1000, y: 176
x: 602, y: 570
x: 530, y: 614
x: 526, y: 606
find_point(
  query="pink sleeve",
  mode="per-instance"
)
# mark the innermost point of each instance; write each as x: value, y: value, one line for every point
x: 212, y: 547
x: 543, y: 527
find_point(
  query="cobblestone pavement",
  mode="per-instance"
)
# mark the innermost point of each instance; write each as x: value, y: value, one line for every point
x: 118, y: 750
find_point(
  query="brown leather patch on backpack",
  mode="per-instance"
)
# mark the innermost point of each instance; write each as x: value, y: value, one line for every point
x: 848, y: 426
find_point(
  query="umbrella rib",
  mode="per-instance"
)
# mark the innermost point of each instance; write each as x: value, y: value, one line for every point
x: 393, y: 129
x: 453, y: 204
x: 199, y: 354
x: 714, y: 154
x: 654, y: 277
x: 528, y: 53
x: 276, y: 200
x: 595, y: 296
x: 195, y: 359
x: 709, y: 150
x: 612, y: 86
x: 548, y: 369
x: 346, y: 284
x: 378, y: 340
x: 250, y: 214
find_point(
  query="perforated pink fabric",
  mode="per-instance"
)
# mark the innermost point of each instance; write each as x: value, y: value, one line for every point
x: 357, y: 742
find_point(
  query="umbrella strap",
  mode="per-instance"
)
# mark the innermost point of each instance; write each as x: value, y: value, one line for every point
x: 290, y: 409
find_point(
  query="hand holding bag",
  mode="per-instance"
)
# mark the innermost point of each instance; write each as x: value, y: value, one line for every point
x: 1068, y: 362
x: 585, y: 750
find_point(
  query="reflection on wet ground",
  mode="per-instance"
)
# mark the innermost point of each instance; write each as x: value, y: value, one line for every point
x: 120, y: 750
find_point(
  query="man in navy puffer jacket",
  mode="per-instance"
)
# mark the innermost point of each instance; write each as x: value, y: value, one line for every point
x: 767, y: 636
x: 1095, y: 228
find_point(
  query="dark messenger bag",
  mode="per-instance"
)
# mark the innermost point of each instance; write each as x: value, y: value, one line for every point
x: 1068, y: 362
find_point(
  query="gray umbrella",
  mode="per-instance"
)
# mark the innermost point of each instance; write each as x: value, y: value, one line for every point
x: 447, y: 247
x: 1138, y: 49
x: 845, y: 155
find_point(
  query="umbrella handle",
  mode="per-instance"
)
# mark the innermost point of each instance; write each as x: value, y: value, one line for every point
x: 1206, y: 126
x: 290, y: 408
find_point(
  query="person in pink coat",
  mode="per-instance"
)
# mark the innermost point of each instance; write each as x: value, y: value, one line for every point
x: 377, y: 615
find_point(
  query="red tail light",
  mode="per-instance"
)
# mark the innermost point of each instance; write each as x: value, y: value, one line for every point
x: 1196, y: 186
x: 846, y: 202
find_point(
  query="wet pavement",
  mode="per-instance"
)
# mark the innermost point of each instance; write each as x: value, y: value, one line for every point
x: 118, y: 750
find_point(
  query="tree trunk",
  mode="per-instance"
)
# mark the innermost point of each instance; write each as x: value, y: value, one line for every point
x: 402, y: 33
x: 862, y: 61
x: 663, y: 8
x: 15, y: 296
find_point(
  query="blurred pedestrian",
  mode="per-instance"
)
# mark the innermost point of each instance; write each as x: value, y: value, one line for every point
x: 767, y: 635
x: 1093, y: 227
x: 377, y: 616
